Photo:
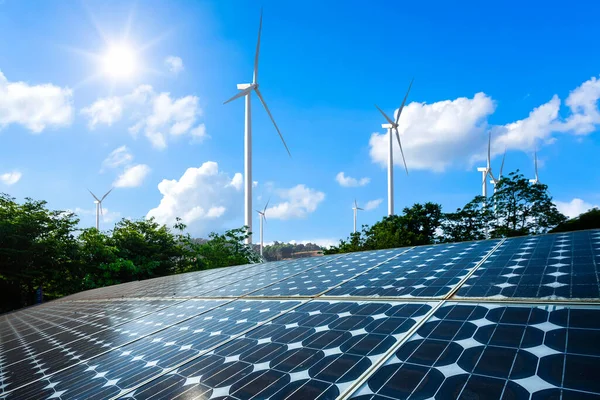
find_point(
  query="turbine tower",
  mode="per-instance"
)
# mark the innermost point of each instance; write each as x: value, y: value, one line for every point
x: 390, y: 126
x: 99, y: 209
x: 536, y: 180
x: 487, y: 170
x: 356, y: 208
x: 246, y: 90
x: 262, y: 218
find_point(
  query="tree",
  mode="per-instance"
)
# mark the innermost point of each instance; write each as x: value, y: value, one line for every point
x: 522, y: 208
x: 587, y: 220
x: 417, y: 226
x: 469, y: 223
x: 38, y: 248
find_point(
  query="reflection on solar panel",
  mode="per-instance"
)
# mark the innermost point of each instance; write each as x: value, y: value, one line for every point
x: 420, y: 322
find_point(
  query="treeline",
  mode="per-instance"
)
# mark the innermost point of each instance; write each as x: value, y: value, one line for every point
x: 281, y: 251
x: 43, y: 249
x: 518, y: 207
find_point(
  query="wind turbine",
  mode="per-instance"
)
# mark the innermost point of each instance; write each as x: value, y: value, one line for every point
x: 246, y: 90
x: 262, y: 217
x: 487, y: 170
x: 536, y: 180
x: 390, y: 126
x: 356, y: 208
x: 99, y: 209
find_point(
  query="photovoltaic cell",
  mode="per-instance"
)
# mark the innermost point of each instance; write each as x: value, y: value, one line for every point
x: 108, y: 374
x: 329, y: 275
x: 559, y: 266
x: 494, y: 351
x: 312, y: 352
x: 426, y: 271
x: 71, y: 347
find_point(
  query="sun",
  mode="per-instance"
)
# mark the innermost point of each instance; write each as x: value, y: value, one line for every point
x: 119, y: 61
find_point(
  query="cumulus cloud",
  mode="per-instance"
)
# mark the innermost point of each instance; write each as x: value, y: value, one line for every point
x: 204, y: 197
x: 574, y: 207
x: 348, y: 181
x: 118, y: 157
x: 34, y: 106
x: 10, y: 178
x: 157, y: 115
x: 174, y: 64
x: 373, y: 204
x: 133, y: 176
x: 299, y: 201
x: 449, y: 133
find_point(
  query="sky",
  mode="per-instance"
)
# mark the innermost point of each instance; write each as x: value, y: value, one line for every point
x: 129, y: 95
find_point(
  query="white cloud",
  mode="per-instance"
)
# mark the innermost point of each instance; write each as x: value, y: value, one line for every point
x: 299, y: 201
x: 133, y: 176
x: 35, y: 107
x: 237, y: 181
x: 157, y: 115
x: 10, y: 178
x: 373, y: 204
x: 574, y: 207
x: 107, y: 215
x: 347, y: 181
x: 117, y: 157
x: 204, y: 197
x: 454, y: 132
x: 174, y: 64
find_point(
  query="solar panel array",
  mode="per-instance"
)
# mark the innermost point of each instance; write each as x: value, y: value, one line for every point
x: 511, y: 318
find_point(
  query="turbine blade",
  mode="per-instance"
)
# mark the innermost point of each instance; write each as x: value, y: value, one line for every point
x: 536, y: 170
x: 502, y: 165
x: 266, y: 205
x: 101, y: 211
x: 93, y: 195
x: 255, y: 76
x: 401, y: 151
x: 404, y: 101
x: 240, y: 94
x: 358, y: 208
x: 262, y: 100
x: 107, y: 193
x: 389, y: 120
x: 355, y: 204
x: 489, y: 148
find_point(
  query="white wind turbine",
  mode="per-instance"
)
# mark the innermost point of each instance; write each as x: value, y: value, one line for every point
x: 487, y: 170
x: 390, y: 126
x: 99, y: 209
x: 356, y: 208
x: 536, y: 179
x: 246, y: 90
x: 262, y: 218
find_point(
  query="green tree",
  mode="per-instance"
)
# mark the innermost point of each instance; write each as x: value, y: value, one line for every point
x: 587, y: 220
x: 520, y: 207
x: 38, y: 248
x: 468, y: 223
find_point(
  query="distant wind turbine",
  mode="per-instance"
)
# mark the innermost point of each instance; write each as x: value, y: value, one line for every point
x: 536, y: 180
x: 494, y: 181
x: 390, y: 126
x: 487, y: 170
x: 99, y: 209
x: 263, y: 218
x: 356, y: 208
x: 246, y: 90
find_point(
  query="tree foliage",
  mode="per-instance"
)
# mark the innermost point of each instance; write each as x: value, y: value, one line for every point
x: 588, y: 220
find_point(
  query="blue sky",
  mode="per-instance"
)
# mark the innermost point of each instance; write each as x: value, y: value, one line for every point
x: 527, y: 72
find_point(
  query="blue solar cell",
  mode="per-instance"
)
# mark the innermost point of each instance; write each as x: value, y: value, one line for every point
x: 314, y: 351
x: 559, y: 266
x: 426, y: 271
x: 495, y: 351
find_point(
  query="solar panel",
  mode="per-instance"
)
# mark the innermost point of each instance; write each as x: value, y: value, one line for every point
x: 493, y: 319
x: 495, y: 351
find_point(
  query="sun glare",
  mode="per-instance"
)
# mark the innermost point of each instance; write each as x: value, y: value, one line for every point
x: 119, y: 61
